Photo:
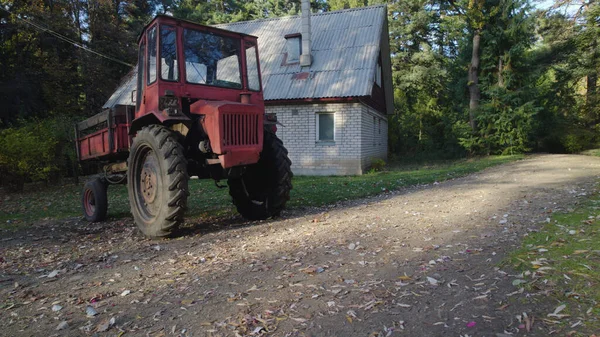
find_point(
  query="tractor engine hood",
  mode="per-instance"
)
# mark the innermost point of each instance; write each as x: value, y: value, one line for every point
x: 235, y: 130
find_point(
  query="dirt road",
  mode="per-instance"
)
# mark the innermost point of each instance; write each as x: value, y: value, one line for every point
x: 416, y: 262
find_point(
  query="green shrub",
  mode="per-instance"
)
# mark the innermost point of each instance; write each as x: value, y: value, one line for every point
x: 29, y: 152
x: 377, y: 165
x: 577, y: 140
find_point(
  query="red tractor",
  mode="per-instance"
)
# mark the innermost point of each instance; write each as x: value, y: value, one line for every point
x: 199, y: 111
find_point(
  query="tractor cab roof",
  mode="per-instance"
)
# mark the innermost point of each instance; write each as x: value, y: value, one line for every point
x: 167, y: 19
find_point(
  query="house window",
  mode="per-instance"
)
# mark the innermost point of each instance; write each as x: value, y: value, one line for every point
x: 293, y: 46
x: 325, y: 127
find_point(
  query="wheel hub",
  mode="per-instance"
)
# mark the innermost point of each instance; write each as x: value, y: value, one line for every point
x: 148, y: 184
x: 89, y: 202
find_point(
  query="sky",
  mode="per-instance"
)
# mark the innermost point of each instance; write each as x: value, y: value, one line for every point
x: 546, y: 4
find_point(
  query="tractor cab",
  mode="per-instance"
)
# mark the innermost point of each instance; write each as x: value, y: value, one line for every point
x: 202, y: 76
x: 193, y: 62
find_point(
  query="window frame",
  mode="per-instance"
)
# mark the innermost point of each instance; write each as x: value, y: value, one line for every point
x: 140, y: 82
x: 289, y: 38
x: 318, y: 136
x: 148, y: 50
x: 248, y: 45
x: 160, y: 47
x: 241, y: 54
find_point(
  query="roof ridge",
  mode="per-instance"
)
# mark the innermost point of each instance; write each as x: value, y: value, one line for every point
x: 298, y: 16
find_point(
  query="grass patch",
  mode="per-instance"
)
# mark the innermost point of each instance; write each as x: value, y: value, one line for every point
x: 563, y: 260
x: 592, y: 152
x: 206, y: 200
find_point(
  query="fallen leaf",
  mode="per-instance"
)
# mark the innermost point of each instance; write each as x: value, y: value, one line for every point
x: 103, y: 326
x: 90, y: 311
x: 62, y: 325
x: 518, y: 282
x: 557, y: 311
x: 301, y: 320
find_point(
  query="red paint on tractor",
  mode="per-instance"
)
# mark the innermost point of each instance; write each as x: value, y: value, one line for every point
x: 234, y: 130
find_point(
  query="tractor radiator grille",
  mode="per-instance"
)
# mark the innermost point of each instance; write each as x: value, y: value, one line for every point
x: 240, y: 129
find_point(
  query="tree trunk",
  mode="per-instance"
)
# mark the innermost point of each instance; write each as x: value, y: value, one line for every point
x: 591, y: 82
x: 591, y: 94
x: 591, y: 98
x: 473, y: 79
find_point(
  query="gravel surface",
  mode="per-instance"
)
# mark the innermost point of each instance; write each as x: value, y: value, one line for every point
x: 422, y: 261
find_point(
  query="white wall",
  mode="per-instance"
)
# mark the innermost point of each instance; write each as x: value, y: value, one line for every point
x: 374, y: 136
x: 352, y: 150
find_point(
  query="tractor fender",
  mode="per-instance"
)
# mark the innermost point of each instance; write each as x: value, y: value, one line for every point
x: 157, y: 118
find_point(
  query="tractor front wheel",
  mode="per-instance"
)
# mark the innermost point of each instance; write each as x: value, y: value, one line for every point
x: 157, y: 181
x: 263, y: 190
x: 95, y: 200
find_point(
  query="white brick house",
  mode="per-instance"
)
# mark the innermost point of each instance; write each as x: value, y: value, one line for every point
x: 327, y: 77
x: 360, y: 135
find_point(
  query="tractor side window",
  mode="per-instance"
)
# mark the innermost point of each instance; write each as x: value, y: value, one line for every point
x: 212, y: 59
x: 252, y: 68
x: 152, y: 55
x: 140, y: 76
x: 168, y: 53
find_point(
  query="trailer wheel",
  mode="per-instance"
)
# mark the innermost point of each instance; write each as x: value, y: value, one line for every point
x: 263, y: 190
x: 157, y: 181
x: 94, y: 200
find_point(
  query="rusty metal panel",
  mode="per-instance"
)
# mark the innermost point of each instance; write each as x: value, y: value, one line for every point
x: 122, y: 96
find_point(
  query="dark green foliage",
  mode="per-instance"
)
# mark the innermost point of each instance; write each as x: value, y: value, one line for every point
x: 537, y: 77
x: 377, y: 165
x: 29, y: 153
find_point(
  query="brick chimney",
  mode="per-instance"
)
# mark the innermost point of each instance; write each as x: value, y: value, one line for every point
x: 305, y: 58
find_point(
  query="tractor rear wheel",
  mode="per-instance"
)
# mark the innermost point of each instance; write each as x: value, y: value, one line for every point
x: 157, y: 181
x: 263, y: 190
x: 95, y: 200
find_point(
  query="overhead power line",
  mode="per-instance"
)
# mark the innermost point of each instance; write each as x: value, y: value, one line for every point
x: 66, y: 39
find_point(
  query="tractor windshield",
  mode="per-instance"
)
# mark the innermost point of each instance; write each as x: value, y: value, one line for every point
x: 211, y: 59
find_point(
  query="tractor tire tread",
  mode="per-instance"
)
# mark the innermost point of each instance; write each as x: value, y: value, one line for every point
x: 274, y: 153
x: 99, y: 189
x: 175, y: 179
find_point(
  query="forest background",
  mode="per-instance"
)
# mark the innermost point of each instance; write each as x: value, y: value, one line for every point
x: 471, y: 77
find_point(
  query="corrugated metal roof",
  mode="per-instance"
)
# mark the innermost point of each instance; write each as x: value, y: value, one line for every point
x: 345, y: 48
x: 122, y: 96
